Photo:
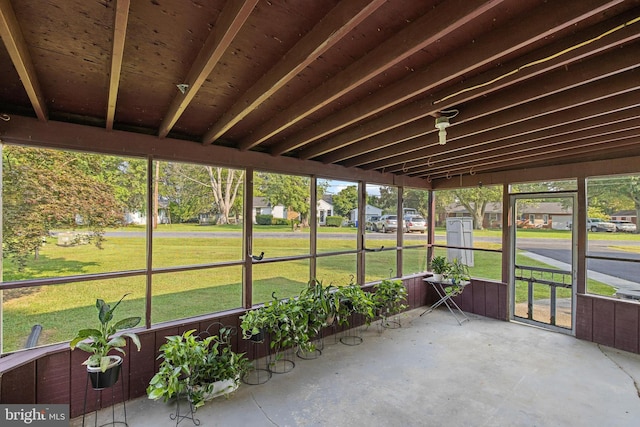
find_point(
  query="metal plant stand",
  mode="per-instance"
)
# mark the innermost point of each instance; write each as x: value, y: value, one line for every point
x: 281, y: 361
x: 190, y: 415
x: 318, y: 346
x: 390, y: 321
x: 99, y: 399
x: 352, y: 335
x: 259, y: 374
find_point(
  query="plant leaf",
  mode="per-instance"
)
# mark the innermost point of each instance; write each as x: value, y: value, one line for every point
x: 118, y: 341
x: 134, y: 339
x: 103, y: 311
x: 127, y: 323
x: 104, y: 362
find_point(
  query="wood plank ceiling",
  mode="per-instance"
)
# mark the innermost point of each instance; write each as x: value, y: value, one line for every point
x: 357, y: 83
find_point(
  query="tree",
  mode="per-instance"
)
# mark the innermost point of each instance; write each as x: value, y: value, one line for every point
x: 345, y: 201
x: 193, y: 189
x: 612, y: 194
x: 475, y: 200
x: 225, y: 184
x: 388, y: 200
x: 128, y: 178
x: 44, y: 189
x: 290, y: 191
x: 184, y: 188
x: 418, y: 200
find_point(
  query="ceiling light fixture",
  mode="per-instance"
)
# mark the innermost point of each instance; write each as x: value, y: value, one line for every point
x: 442, y: 123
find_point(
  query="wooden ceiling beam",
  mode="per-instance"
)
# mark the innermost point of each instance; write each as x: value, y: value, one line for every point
x: 617, y: 106
x: 71, y: 136
x: 332, y: 28
x: 484, y: 50
x: 229, y: 23
x: 543, y: 154
x: 626, y: 81
x: 511, y: 148
x: 15, y: 44
x: 560, y: 130
x: 121, y: 19
x: 439, y: 22
x: 595, y: 68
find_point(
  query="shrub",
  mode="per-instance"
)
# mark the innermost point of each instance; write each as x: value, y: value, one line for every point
x: 264, y: 219
x: 280, y: 221
x: 334, y: 221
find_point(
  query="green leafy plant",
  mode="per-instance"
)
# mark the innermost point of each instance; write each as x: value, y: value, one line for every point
x: 104, y: 340
x: 354, y: 300
x: 193, y: 366
x: 286, y: 321
x: 440, y: 265
x: 458, y: 272
x: 390, y: 297
x: 321, y: 302
x: 255, y: 322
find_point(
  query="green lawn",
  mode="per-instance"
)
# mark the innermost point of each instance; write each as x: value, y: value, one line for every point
x: 62, y: 309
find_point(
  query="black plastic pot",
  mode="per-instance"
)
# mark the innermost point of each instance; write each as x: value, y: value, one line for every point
x: 347, y: 303
x: 101, y: 380
x: 259, y: 337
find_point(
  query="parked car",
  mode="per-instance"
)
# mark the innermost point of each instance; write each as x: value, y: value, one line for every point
x: 597, y: 224
x: 625, y: 226
x: 414, y: 223
x: 387, y: 223
x: 371, y: 223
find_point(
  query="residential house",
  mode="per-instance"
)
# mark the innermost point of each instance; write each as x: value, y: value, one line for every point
x: 628, y: 215
x: 370, y: 211
x: 325, y: 208
x: 261, y: 206
x: 530, y: 215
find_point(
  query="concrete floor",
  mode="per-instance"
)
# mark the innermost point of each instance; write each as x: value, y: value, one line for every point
x: 432, y: 372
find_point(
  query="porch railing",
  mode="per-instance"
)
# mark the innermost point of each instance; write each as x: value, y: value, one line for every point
x: 546, y: 276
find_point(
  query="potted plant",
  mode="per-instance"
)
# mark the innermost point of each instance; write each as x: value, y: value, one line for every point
x: 458, y: 274
x: 200, y: 368
x: 440, y: 267
x: 254, y: 324
x: 352, y: 299
x: 321, y: 302
x: 103, y: 367
x: 389, y: 298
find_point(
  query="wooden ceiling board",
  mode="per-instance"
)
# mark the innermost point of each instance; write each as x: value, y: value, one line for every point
x: 163, y: 39
x: 264, y: 41
x: 12, y: 93
x: 516, y: 70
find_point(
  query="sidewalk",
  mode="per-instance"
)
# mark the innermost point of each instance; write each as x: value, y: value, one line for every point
x: 628, y: 288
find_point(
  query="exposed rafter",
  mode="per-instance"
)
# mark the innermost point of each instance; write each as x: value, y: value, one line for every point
x: 231, y: 20
x: 534, y: 142
x: 119, y: 36
x: 11, y: 35
x: 336, y: 25
x: 489, y: 48
x: 598, y: 111
x: 540, y: 153
x: 512, y: 110
x: 333, y: 85
x: 558, y: 131
x: 438, y: 23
